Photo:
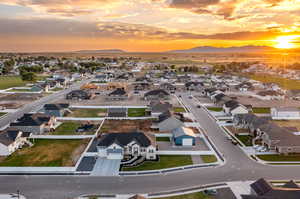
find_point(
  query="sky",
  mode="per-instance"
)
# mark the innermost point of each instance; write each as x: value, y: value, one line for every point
x: 146, y: 25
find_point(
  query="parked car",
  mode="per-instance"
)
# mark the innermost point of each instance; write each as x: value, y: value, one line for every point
x: 211, y: 192
x: 234, y: 142
x: 198, y: 106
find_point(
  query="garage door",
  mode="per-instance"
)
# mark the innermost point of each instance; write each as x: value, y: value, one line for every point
x: 187, y: 142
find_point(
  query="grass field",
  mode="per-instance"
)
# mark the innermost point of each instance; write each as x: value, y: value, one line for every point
x: 208, y: 158
x: 198, y: 195
x: 279, y: 157
x: 49, y: 153
x: 216, y: 109
x: 165, y: 161
x: 11, y: 81
x: 1, y: 114
x: 136, y: 112
x: 88, y: 113
x: 163, y: 139
x: 283, y: 82
x: 246, y: 139
x: 261, y: 110
x: 179, y: 110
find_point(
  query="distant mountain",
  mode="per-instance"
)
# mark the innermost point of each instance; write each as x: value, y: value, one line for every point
x: 101, y: 51
x: 210, y: 49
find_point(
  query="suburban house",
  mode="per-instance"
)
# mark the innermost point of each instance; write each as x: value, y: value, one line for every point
x: 285, y: 113
x: 156, y: 107
x: 79, y: 95
x: 244, y: 86
x: 37, y: 123
x: 120, y: 145
x: 194, y: 86
x: 261, y: 189
x: 117, y: 112
x: 12, y: 140
x: 158, y: 94
x: 233, y: 107
x: 183, y: 136
x: 118, y: 94
x: 141, y: 86
x: 283, y: 140
x: 57, y: 110
x: 169, y: 124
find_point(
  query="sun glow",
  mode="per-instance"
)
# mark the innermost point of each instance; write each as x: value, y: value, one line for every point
x: 286, y: 41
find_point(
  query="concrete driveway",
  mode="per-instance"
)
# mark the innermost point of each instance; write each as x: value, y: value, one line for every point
x: 106, y: 167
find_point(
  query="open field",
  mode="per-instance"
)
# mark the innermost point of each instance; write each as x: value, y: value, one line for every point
x: 165, y: 161
x: 69, y: 128
x: 283, y: 82
x: 179, y: 110
x: 279, y: 157
x: 209, y: 158
x: 47, y: 153
x: 11, y: 81
x: 88, y: 113
x: 136, y: 112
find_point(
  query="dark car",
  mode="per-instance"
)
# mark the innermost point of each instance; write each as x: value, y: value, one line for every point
x: 198, y: 106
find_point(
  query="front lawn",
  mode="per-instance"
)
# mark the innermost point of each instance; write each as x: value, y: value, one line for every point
x: 48, y: 153
x: 198, y: 195
x: 245, y: 139
x: 1, y: 114
x: 209, y: 158
x: 261, y: 110
x: 136, y: 112
x: 20, y: 90
x: 163, y: 139
x: 216, y: 109
x: 279, y: 158
x: 11, y: 81
x: 69, y: 128
x: 164, y: 162
x: 88, y: 112
x: 179, y: 110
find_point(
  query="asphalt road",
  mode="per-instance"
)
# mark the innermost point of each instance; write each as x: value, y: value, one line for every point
x: 36, y: 105
x: 237, y: 167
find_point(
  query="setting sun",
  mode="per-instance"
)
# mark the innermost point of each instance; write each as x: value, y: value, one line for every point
x: 286, y: 41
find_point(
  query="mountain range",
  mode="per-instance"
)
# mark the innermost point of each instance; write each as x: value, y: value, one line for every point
x: 210, y: 49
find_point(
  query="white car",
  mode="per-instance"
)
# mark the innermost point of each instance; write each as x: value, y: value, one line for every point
x: 259, y: 148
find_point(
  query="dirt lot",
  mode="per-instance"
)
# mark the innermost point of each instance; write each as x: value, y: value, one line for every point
x: 236, y: 131
x: 14, y: 101
x: 268, y: 103
x: 117, y: 126
x: 290, y: 123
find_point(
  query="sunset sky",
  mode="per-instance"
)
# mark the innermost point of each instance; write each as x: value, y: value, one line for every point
x: 146, y: 25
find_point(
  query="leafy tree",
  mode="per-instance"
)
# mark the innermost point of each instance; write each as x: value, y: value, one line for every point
x: 28, y: 76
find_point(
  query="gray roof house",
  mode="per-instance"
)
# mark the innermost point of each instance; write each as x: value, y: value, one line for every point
x: 169, y: 124
x: 118, y: 94
x: 157, y: 94
x: 157, y: 107
x: 57, y: 110
x: 79, y: 95
x: 261, y: 189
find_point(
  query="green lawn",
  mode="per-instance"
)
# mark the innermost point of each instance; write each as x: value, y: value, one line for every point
x: 1, y: 114
x: 246, y: 139
x: 88, y: 113
x: 20, y: 90
x: 57, y: 89
x: 216, y: 109
x: 279, y: 157
x: 261, y: 110
x: 49, y: 153
x: 165, y: 161
x: 69, y: 128
x: 283, y: 82
x: 136, y: 112
x: 209, y: 158
x: 198, y: 195
x: 163, y: 139
x: 11, y: 81
x: 179, y: 110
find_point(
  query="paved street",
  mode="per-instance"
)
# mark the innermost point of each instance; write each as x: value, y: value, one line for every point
x: 238, y: 167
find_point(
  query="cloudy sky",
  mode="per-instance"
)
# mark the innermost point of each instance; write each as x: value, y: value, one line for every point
x: 146, y: 25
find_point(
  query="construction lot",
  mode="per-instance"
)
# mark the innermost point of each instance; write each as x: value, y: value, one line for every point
x: 14, y: 101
